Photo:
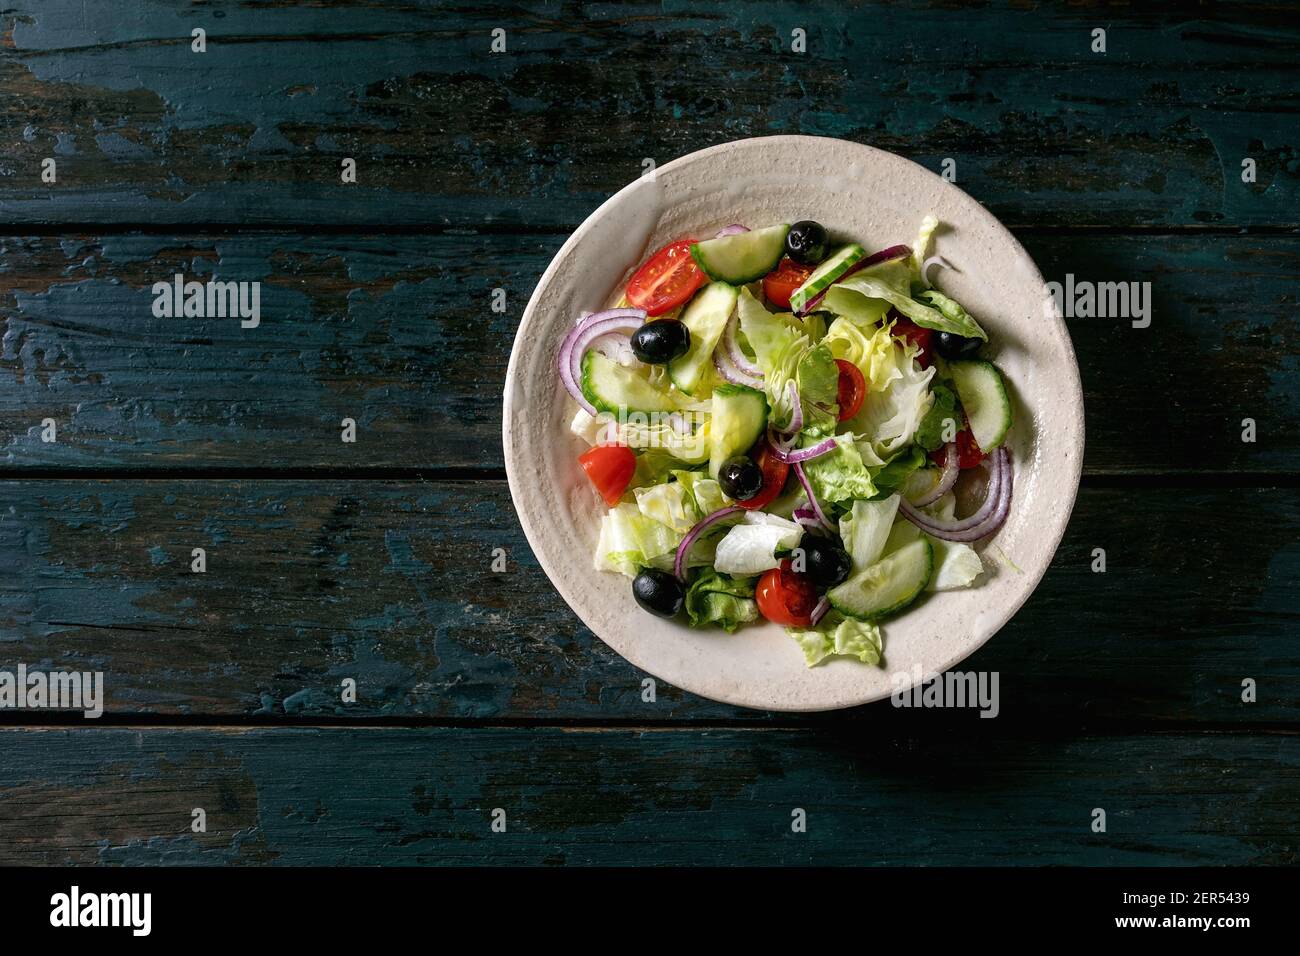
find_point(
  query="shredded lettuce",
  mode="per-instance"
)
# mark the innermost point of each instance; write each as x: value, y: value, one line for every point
x: 847, y: 637
x: 720, y: 599
x: 841, y: 475
x: 898, y: 398
x: 785, y: 353
x: 629, y: 541
x: 865, y: 529
x: 750, y: 547
x: 921, y: 247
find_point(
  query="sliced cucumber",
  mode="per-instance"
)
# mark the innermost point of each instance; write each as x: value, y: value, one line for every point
x: 984, y: 397
x: 741, y: 258
x: 618, y: 390
x: 705, y: 318
x: 739, y: 418
x: 889, y: 585
x: 827, y: 274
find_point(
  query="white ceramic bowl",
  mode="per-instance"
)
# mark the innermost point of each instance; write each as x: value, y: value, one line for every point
x: 878, y: 199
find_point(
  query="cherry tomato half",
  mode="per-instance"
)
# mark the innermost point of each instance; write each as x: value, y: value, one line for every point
x: 780, y: 283
x: 785, y: 597
x: 852, y: 389
x: 968, y: 453
x: 668, y: 279
x: 610, y: 468
x: 775, y: 472
x: 915, y: 334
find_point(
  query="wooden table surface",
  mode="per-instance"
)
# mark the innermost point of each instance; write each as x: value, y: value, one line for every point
x: 478, y: 690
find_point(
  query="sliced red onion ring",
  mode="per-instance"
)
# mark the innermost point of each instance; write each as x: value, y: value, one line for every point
x: 875, y: 259
x: 734, y: 229
x: 782, y: 453
x: 582, y: 335
x: 806, y: 517
x: 987, y: 518
x: 738, y: 356
x: 812, y: 499
x: 728, y: 370
x: 820, y: 610
x: 625, y: 313
x: 946, y: 480
x: 684, y: 549
x: 939, y: 261
x: 796, y: 408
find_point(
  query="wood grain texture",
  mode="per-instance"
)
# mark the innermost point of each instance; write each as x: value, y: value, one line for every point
x: 632, y: 797
x: 311, y: 582
x: 1042, y: 129
x: 398, y: 333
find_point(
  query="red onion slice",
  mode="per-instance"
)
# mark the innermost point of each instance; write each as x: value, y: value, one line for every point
x: 820, y: 610
x: 939, y: 261
x: 734, y: 229
x: 728, y: 370
x: 875, y: 259
x: 946, y: 480
x: 782, y: 453
x: 987, y: 518
x: 582, y: 335
x: 684, y: 549
x: 625, y: 313
x: 812, y: 499
x: 738, y: 356
x: 796, y: 408
x: 806, y: 517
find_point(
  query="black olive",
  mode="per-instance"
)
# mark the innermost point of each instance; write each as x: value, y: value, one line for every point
x: 740, y: 479
x: 953, y: 346
x: 658, y: 592
x: 825, y: 562
x: 807, y: 242
x: 661, y: 341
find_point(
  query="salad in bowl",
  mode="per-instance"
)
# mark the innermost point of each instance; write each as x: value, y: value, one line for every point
x: 786, y: 426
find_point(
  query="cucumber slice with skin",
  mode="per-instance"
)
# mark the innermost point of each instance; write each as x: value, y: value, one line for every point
x: 827, y: 274
x: 618, y: 390
x: 705, y: 318
x: 743, y: 257
x: 889, y: 585
x: 739, y: 418
x: 985, y: 400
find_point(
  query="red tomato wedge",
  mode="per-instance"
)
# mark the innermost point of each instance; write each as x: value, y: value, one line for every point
x: 968, y: 453
x: 785, y: 597
x: 775, y: 472
x: 852, y: 389
x: 610, y: 468
x: 915, y: 334
x: 780, y: 283
x: 668, y: 279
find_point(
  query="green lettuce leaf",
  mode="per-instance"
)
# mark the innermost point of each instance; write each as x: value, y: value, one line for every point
x: 629, y: 541
x: 840, y: 475
x: 891, y: 478
x: 866, y: 528
x: 847, y: 637
x: 719, y: 599
x: 958, y: 319
x: 930, y: 433
x: 897, y: 400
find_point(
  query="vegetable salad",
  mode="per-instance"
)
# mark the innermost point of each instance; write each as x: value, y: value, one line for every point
x: 777, y: 422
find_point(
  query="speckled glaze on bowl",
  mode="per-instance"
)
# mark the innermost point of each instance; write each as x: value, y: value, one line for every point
x: 877, y: 199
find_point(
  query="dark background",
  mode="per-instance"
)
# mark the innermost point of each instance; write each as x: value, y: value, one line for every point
x: 372, y: 560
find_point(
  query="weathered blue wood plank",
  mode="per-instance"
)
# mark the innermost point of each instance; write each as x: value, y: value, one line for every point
x: 309, y: 583
x: 398, y: 333
x: 631, y: 797
x: 1041, y: 128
